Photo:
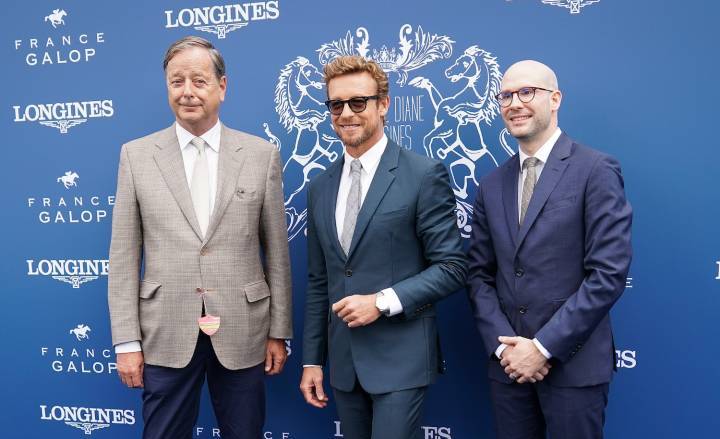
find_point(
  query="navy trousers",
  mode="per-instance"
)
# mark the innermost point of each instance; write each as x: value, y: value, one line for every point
x: 394, y: 415
x: 538, y: 411
x: 171, y: 397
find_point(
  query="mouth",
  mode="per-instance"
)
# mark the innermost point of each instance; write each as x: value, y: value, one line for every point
x: 520, y: 118
x: 348, y: 127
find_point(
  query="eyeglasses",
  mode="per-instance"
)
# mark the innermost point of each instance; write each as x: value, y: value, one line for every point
x: 525, y: 94
x: 357, y: 104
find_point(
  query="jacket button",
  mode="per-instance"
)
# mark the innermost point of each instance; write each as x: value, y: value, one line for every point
x: 348, y: 273
x: 519, y: 272
x: 523, y: 309
x: 204, y: 252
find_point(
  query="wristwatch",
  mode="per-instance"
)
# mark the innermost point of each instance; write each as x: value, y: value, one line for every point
x: 381, y: 303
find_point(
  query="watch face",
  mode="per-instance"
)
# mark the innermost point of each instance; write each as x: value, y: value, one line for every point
x: 381, y: 303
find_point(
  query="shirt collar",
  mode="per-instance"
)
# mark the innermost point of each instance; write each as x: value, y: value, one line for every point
x: 211, y: 136
x: 370, y: 159
x: 543, y: 153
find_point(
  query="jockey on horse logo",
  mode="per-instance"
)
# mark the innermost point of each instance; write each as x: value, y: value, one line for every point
x: 56, y: 18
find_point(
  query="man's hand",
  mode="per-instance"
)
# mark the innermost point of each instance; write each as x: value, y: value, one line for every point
x: 275, y: 356
x: 357, y: 310
x: 311, y: 387
x: 523, y: 361
x: 130, y: 368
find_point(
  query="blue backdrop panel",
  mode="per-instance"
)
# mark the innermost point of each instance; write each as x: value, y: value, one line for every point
x: 81, y: 78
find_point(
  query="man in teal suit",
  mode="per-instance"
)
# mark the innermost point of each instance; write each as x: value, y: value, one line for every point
x: 383, y: 247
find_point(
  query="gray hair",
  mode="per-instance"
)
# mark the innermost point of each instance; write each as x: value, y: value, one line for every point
x: 190, y: 42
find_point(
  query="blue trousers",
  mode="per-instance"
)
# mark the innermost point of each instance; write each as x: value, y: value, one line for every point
x: 531, y: 411
x: 394, y: 415
x: 171, y: 397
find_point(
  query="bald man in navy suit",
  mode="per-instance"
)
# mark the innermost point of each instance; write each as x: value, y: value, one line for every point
x: 549, y: 256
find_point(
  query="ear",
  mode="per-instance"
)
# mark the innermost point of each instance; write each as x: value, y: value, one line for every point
x: 223, y: 88
x: 384, y: 105
x: 555, y: 100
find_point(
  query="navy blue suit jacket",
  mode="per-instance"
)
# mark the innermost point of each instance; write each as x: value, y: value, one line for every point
x: 406, y: 237
x: 557, y: 276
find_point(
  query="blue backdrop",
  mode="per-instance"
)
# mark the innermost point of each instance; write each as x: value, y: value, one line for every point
x: 81, y: 78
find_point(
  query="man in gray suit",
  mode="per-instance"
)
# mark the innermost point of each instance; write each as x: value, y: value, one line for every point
x: 199, y: 211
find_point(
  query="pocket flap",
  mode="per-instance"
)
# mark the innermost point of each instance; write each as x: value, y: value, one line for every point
x: 148, y: 289
x: 391, y: 215
x: 257, y: 291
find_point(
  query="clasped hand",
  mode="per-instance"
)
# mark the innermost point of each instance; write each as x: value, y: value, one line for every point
x: 523, y: 361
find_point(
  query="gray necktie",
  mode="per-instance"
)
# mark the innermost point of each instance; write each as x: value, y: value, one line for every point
x: 200, y: 185
x: 352, y: 207
x: 530, y: 164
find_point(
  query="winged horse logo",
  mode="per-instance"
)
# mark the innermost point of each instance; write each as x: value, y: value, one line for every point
x: 573, y: 5
x: 221, y: 30
x: 62, y: 125
x: 75, y: 281
x: 87, y: 427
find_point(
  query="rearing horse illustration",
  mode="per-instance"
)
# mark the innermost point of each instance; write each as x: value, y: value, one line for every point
x: 299, y: 101
x: 457, y: 134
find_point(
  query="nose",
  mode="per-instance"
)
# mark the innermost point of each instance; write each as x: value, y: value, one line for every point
x: 187, y: 88
x: 347, y: 112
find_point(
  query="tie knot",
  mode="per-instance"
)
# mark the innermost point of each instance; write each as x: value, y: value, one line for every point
x: 198, y: 143
x: 355, y: 166
x: 530, y: 162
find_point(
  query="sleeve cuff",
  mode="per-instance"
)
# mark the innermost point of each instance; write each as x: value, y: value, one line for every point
x: 393, y: 301
x: 127, y: 347
x: 499, y: 350
x: 541, y: 348
x: 311, y: 365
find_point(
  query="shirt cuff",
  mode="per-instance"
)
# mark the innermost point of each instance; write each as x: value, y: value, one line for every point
x: 127, y: 347
x: 499, y: 350
x: 311, y: 365
x: 394, y: 305
x: 541, y: 348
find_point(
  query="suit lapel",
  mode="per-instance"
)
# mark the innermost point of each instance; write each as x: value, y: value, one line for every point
x: 170, y: 162
x: 378, y: 187
x: 230, y: 163
x: 510, y: 177
x: 551, y: 174
x: 330, y: 203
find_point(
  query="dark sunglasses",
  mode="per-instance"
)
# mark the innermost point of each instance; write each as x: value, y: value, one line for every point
x: 356, y: 104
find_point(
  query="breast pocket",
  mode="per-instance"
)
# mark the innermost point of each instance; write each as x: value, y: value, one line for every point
x: 391, y: 216
x: 553, y: 205
x: 245, y: 194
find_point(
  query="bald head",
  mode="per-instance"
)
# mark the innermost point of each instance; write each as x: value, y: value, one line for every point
x: 532, y: 73
x: 531, y: 112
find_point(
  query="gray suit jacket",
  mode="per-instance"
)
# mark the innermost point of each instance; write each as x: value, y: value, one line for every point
x: 242, y: 264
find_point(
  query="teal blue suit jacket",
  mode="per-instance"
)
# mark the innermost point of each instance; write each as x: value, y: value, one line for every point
x: 406, y: 238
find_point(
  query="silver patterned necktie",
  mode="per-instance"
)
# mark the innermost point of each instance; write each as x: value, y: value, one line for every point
x: 200, y: 185
x: 529, y: 164
x: 352, y: 207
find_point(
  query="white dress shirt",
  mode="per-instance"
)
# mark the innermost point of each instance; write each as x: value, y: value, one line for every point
x: 542, y: 155
x: 370, y: 161
x: 189, y: 154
